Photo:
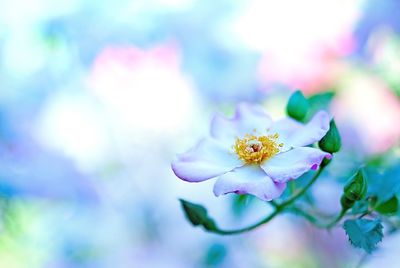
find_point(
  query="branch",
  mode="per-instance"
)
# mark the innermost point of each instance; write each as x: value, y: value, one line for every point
x: 278, y: 209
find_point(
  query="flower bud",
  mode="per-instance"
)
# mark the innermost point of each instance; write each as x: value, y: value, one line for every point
x: 297, y: 106
x: 331, y: 142
x: 346, y: 203
x: 356, y: 188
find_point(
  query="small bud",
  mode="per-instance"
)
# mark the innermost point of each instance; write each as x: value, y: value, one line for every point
x: 356, y: 188
x: 346, y: 203
x: 297, y: 106
x: 197, y: 215
x: 331, y: 142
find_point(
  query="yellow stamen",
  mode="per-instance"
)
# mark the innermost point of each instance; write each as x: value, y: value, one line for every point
x: 255, y: 149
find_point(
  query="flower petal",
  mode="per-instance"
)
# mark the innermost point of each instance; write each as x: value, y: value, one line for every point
x: 295, y: 134
x: 249, y: 180
x: 247, y: 119
x: 207, y: 160
x: 292, y: 164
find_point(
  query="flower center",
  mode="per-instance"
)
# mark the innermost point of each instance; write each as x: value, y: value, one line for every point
x: 255, y: 149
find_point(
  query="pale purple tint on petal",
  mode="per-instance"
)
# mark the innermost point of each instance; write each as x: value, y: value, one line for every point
x: 247, y: 118
x: 207, y: 160
x: 294, y: 163
x: 295, y: 134
x: 286, y: 128
x: 249, y: 179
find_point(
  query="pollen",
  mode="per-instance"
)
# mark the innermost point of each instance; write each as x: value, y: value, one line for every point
x: 255, y: 149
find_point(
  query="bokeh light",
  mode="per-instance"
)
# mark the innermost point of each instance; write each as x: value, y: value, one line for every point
x: 97, y: 97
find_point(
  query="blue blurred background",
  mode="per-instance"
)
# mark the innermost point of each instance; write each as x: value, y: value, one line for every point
x: 97, y: 97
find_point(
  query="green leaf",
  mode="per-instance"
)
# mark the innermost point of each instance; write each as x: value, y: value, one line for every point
x: 197, y: 215
x: 321, y: 101
x: 389, y: 207
x: 360, y: 207
x: 384, y: 183
x: 364, y: 233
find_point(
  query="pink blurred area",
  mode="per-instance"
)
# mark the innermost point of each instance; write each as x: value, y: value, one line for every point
x: 312, y: 71
x: 132, y: 57
x: 301, y: 48
x: 109, y: 92
x: 366, y: 104
x: 144, y: 88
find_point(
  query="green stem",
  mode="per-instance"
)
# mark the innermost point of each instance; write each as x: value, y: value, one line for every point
x: 248, y: 228
x: 307, y: 216
x: 278, y: 209
x: 318, y: 223
x: 302, y: 191
x: 273, y: 203
x: 337, y: 219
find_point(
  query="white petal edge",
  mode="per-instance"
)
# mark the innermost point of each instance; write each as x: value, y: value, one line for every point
x: 295, y: 134
x: 292, y: 164
x: 249, y: 179
x: 208, y: 159
x: 247, y: 118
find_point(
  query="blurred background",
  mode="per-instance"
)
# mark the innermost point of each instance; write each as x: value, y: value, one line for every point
x: 97, y: 97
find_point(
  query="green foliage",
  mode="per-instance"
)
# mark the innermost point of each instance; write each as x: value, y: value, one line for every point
x: 388, y: 207
x: 197, y: 215
x: 318, y: 102
x: 364, y: 205
x: 332, y: 141
x: 360, y: 207
x: 297, y: 106
x: 384, y: 183
x: 364, y: 233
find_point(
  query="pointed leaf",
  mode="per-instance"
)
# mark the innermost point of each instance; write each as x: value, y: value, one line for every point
x: 197, y: 215
x: 364, y: 233
x: 389, y: 207
x: 320, y: 101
